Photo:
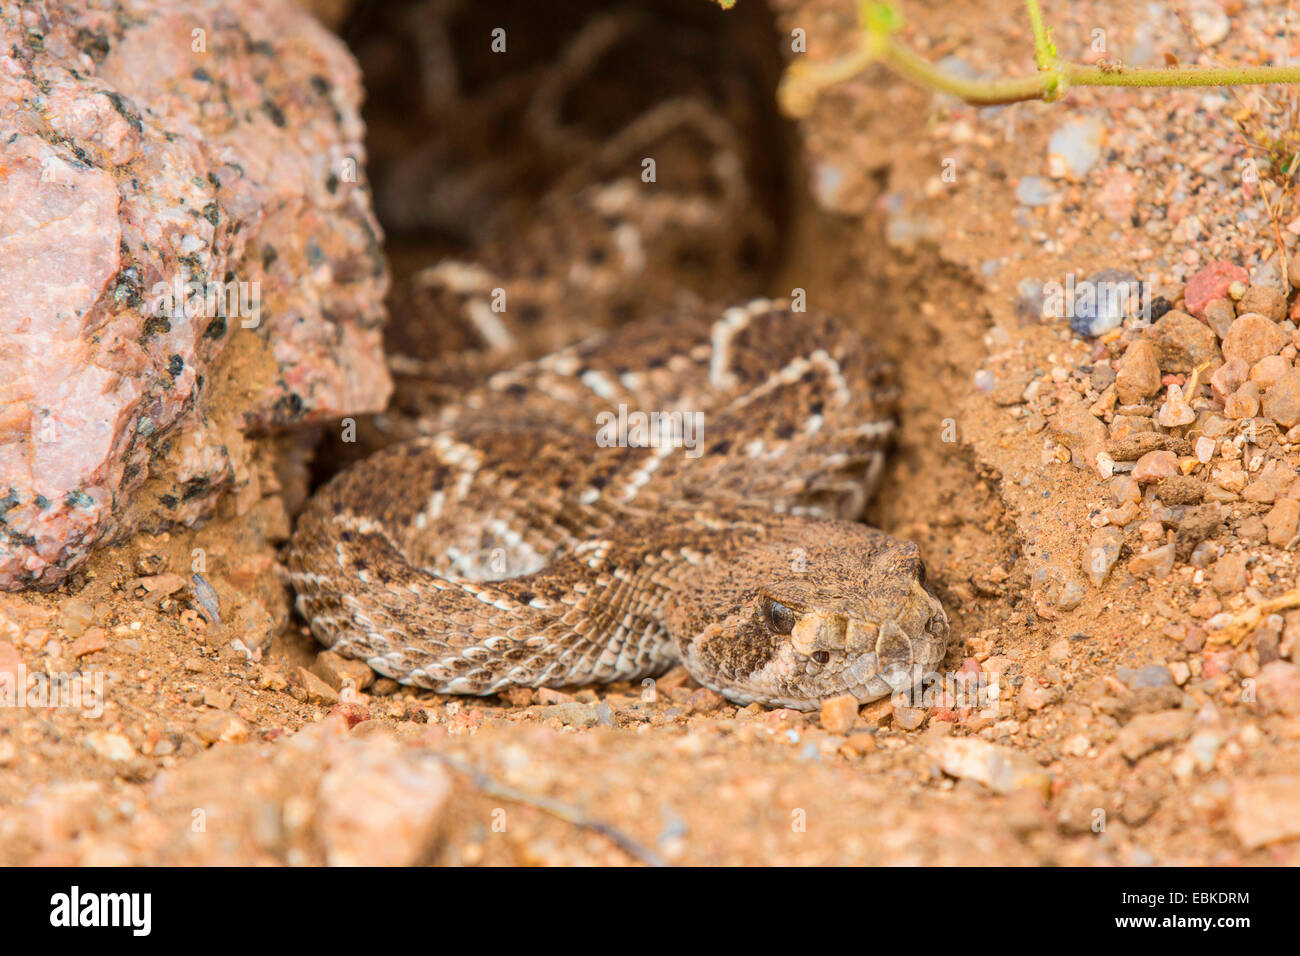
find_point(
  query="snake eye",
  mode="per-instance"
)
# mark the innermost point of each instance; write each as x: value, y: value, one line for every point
x: 780, y: 618
x: 821, y: 657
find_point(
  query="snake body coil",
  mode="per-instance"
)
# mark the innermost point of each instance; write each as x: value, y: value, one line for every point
x: 526, y: 542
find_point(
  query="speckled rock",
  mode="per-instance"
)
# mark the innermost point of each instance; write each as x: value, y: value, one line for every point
x: 1281, y: 521
x: 1181, y: 490
x: 1243, y: 403
x: 1138, y: 376
x: 1282, y: 400
x: 1133, y: 446
x: 142, y: 157
x: 1196, y: 525
x: 1251, y: 338
x: 1266, y: 300
x: 1077, y: 428
x: 1183, y: 343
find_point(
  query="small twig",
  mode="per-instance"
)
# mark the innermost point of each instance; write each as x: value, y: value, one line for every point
x: 1241, y: 624
x: 1274, y: 214
x: 556, y: 808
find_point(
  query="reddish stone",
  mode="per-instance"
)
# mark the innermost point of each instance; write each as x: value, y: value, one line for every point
x: 1210, y: 283
x: 95, y: 639
x: 352, y: 713
x: 1217, y: 663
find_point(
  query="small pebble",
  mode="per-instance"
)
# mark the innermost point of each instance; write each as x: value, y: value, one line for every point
x: 1282, y: 401
x: 1155, y: 465
x: 839, y: 714
x: 1102, y: 552
x: 94, y: 639
x: 1211, y: 282
x: 1266, y: 300
x: 1075, y: 147
x: 1102, y: 301
x: 909, y: 718
x: 1251, y: 338
x: 1035, y: 191
x: 217, y: 726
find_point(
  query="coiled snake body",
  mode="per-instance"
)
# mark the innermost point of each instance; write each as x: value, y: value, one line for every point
x: 513, y: 546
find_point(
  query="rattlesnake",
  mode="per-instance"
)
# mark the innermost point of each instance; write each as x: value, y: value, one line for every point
x: 510, y: 548
x: 512, y: 543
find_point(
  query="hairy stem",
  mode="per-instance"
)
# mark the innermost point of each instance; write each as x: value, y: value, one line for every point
x: 1044, y: 52
x: 879, y: 44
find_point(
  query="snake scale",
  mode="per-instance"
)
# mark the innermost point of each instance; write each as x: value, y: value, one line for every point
x: 683, y: 487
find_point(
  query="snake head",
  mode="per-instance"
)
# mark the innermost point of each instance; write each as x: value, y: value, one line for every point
x: 852, y: 615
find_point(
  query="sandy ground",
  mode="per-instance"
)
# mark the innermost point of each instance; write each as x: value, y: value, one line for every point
x: 192, y: 750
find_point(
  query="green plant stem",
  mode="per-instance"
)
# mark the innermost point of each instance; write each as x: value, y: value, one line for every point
x: 1044, y: 55
x: 879, y: 44
x: 979, y: 92
x: 1186, y: 76
x: 1064, y: 74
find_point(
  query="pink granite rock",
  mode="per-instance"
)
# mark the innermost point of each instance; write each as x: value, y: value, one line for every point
x: 148, y: 150
x: 1211, y: 282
